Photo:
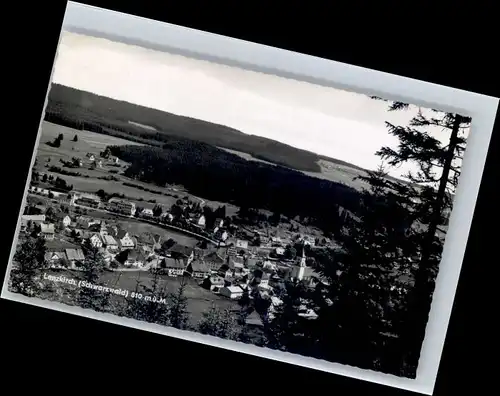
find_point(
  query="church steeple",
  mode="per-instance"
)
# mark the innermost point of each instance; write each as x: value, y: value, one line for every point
x: 303, y: 258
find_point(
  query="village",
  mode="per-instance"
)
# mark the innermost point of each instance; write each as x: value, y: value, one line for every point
x: 229, y: 259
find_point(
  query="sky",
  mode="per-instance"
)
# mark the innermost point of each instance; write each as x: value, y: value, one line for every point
x: 332, y: 122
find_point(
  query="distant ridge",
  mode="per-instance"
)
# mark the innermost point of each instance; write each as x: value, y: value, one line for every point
x: 75, y: 104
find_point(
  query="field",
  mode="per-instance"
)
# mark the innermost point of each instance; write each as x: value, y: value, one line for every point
x: 335, y: 172
x: 88, y: 142
x: 94, y: 143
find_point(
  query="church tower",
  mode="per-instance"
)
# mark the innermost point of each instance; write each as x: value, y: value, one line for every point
x: 299, y: 269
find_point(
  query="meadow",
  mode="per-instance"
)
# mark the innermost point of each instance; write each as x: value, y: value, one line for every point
x: 199, y: 300
x: 93, y: 180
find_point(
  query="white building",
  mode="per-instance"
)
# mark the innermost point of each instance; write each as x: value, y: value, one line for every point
x: 96, y: 241
x: 280, y: 251
x: 109, y: 242
x: 147, y: 212
x: 126, y: 241
x: 240, y: 244
x: 299, y: 269
x: 202, y: 221
x: 232, y: 292
x: 47, y: 231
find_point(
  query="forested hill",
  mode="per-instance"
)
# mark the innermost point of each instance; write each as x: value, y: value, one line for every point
x: 215, y: 174
x: 68, y: 105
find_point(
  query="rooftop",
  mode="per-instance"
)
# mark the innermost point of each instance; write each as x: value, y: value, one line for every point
x: 109, y: 240
x: 47, y: 228
x: 181, y: 249
x: 169, y: 262
x: 75, y: 254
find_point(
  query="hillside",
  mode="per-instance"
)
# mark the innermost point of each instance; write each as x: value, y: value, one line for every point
x: 85, y: 107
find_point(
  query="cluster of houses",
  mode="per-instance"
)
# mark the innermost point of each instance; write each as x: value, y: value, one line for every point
x: 227, y: 271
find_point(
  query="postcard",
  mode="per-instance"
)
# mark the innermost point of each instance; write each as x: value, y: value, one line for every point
x: 258, y: 212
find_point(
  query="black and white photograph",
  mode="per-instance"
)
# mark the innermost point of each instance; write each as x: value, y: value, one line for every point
x: 238, y: 204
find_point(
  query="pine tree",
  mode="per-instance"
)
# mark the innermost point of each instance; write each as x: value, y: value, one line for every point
x: 152, y: 307
x: 436, y: 180
x: 285, y: 329
x: 178, y: 313
x: 92, y: 268
x: 28, y: 263
x: 75, y: 139
x: 218, y: 323
x: 374, y: 244
x: 157, y: 211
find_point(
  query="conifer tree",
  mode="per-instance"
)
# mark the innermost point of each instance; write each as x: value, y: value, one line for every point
x: 153, y: 305
x: 434, y: 183
x: 178, y: 313
x: 374, y: 244
x: 28, y: 263
x: 92, y: 268
x: 218, y: 323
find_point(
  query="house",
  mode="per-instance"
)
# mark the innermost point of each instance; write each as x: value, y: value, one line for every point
x: 55, y: 259
x: 136, y: 258
x: 96, y: 241
x: 125, y: 240
x: 63, y: 220
x: 231, y: 292
x: 225, y: 272
x: 275, y: 303
x: 91, y: 202
x: 214, y: 261
x: 260, y: 278
x: 241, y: 244
x: 182, y: 252
x: 75, y: 256
x: 222, y: 235
x: 251, y: 262
x: 307, y: 313
x: 198, y: 269
x: 153, y: 240
x: 102, y: 229
x: 201, y: 221
x: 47, y: 231
x: 168, y: 217
x: 147, y: 212
x: 280, y: 251
x: 86, y: 222
x: 91, y: 156
x: 109, y: 242
x: 99, y: 163
x: 235, y: 260
x: 239, y: 269
x: 33, y: 219
x: 66, y: 221
x: 173, y: 266
x: 218, y: 223
x: 121, y: 206
x: 213, y: 283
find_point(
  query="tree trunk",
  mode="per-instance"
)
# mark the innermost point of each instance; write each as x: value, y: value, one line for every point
x: 421, y: 295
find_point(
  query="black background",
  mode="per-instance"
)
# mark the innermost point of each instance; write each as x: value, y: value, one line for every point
x: 445, y: 43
